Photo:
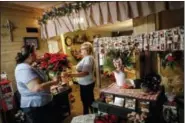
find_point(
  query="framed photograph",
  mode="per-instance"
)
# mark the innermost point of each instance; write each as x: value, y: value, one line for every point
x: 109, y: 98
x: 32, y: 41
x: 144, y: 106
x: 68, y: 41
x: 119, y: 101
x: 130, y: 103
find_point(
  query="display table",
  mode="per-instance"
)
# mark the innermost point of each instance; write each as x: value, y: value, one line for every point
x: 131, y: 93
x: 138, y: 97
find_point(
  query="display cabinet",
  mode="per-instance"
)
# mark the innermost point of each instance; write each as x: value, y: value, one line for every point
x: 130, y: 100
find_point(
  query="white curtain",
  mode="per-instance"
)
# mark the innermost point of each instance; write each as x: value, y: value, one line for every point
x: 102, y: 13
x: 113, y: 11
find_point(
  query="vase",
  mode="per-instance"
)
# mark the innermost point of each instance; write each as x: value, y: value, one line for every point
x: 52, y: 74
x: 120, y: 78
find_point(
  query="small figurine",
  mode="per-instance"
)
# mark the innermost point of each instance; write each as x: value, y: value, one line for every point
x: 118, y: 73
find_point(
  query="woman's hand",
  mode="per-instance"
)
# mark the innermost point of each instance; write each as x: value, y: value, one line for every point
x: 55, y: 79
x: 65, y: 74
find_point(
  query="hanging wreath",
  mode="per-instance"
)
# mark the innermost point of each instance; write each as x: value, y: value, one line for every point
x: 168, y: 60
x: 64, y: 10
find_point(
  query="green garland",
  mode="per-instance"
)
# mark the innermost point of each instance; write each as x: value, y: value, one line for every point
x: 67, y: 9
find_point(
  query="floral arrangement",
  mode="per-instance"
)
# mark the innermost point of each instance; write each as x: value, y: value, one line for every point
x: 67, y: 9
x: 168, y: 60
x: 115, y: 54
x: 56, y: 62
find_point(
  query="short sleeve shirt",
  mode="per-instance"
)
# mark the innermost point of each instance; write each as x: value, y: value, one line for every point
x: 86, y: 65
x: 24, y: 73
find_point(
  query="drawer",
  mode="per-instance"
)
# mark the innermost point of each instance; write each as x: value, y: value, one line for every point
x: 113, y: 109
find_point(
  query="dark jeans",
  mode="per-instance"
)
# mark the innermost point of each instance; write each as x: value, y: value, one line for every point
x: 39, y: 114
x: 87, y: 97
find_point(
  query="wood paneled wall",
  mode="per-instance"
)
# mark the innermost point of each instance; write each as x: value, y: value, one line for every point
x: 21, y: 17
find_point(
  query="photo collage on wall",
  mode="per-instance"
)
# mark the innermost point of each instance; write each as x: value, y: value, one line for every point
x: 162, y: 40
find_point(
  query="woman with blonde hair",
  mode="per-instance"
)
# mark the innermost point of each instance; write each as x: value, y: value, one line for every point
x: 85, y: 76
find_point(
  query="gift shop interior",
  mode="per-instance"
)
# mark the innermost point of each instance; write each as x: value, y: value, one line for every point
x: 92, y: 62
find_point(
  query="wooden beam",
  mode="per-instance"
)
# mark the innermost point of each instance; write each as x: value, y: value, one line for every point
x: 20, y: 7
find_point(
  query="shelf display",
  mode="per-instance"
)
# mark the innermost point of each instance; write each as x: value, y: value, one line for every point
x: 148, y: 99
x: 6, y: 93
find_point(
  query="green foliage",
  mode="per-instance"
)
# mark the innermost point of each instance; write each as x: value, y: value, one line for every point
x: 115, y: 54
x: 67, y: 9
x: 108, y: 64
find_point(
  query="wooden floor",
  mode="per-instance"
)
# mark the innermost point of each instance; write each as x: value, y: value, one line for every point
x: 77, y: 108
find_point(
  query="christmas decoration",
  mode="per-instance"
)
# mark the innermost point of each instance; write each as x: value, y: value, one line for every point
x: 124, y: 55
x: 56, y: 63
x: 168, y: 59
x: 64, y: 10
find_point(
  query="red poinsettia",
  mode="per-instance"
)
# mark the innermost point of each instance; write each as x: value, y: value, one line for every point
x: 170, y: 58
x: 54, y: 62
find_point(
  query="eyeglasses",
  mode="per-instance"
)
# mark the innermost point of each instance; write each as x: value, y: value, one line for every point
x: 82, y: 48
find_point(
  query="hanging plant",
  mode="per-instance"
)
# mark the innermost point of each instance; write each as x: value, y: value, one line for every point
x: 67, y: 9
x: 167, y: 59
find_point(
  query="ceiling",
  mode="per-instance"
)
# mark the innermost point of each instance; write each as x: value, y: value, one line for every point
x: 119, y: 26
x: 40, y: 5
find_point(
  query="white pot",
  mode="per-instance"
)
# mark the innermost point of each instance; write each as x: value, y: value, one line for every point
x: 120, y: 78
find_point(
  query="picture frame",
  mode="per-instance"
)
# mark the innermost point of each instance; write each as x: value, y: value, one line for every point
x: 130, y: 103
x: 32, y: 41
x: 119, y: 101
x: 68, y: 41
x: 144, y: 106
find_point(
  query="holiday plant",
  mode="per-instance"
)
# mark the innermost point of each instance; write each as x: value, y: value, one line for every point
x: 55, y: 62
x: 168, y: 60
